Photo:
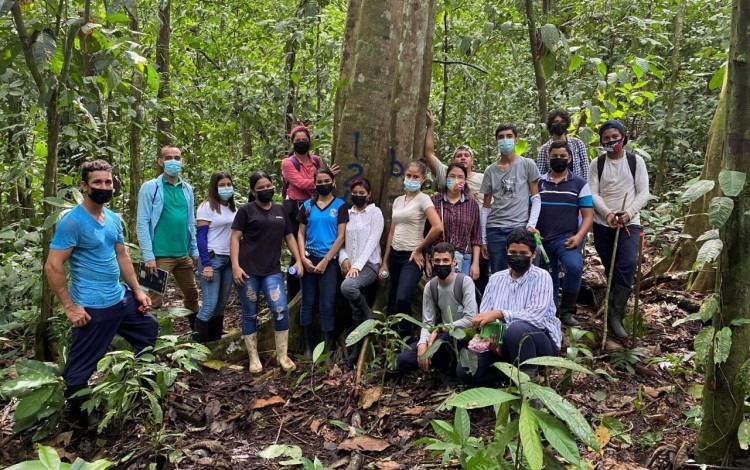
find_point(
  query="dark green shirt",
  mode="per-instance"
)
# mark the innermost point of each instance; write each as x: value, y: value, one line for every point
x: 171, y: 236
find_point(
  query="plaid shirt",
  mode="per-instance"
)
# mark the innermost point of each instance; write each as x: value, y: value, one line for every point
x: 460, y: 222
x: 580, y: 158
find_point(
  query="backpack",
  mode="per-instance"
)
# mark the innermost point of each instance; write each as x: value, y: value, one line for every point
x: 601, y: 159
x: 458, y: 288
x: 297, y: 165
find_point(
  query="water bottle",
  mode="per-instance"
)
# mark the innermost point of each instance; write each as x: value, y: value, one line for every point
x: 384, y: 275
x: 292, y: 271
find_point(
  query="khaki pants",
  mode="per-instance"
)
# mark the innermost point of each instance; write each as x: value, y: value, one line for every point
x: 182, y: 270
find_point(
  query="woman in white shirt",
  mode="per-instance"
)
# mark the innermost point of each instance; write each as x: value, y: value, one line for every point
x: 403, y: 250
x: 214, y: 219
x: 360, y: 256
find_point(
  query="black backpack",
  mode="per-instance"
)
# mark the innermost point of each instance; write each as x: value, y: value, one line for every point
x: 297, y: 165
x: 601, y: 159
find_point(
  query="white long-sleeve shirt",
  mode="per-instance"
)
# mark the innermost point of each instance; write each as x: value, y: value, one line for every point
x: 616, y: 182
x: 528, y: 298
x: 363, y: 232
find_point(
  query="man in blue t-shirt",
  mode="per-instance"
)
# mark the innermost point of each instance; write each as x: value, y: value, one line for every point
x: 90, y: 239
x: 564, y: 195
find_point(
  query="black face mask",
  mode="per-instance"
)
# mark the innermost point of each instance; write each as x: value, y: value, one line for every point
x: 359, y: 201
x: 324, y: 189
x: 301, y: 147
x: 442, y: 270
x: 559, y: 129
x: 558, y: 164
x: 519, y: 263
x: 101, y: 196
x: 265, y: 195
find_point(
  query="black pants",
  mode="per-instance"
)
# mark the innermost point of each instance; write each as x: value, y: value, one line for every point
x: 405, y: 276
x: 292, y: 282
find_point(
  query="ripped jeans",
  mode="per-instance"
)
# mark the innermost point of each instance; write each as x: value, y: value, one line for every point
x: 274, y: 291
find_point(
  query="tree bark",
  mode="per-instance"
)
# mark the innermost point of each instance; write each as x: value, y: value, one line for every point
x: 667, y: 140
x: 723, y: 392
x: 537, y: 50
x: 379, y: 116
x: 163, y: 118
x: 136, y: 130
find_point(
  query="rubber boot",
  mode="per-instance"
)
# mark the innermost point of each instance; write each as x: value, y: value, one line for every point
x: 567, y: 308
x: 201, y: 330
x: 330, y: 346
x: 354, y: 353
x: 251, y: 343
x: 215, y: 328
x: 282, y: 344
x: 307, y: 341
x: 81, y: 416
x: 191, y: 320
x: 618, y: 307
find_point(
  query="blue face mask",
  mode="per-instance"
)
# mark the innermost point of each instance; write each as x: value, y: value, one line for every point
x: 412, y: 185
x: 226, y: 193
x: 506, y: 146
x: 172, y: 167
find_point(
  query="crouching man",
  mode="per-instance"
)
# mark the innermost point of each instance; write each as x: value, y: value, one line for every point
x: 520, y: 297
x: 450, y: 296
x: 98, y: 306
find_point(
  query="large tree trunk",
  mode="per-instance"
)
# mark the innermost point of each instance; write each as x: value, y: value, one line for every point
x: 379, y: 116
x: 723, y: 392
x: 136, y: 129
x: 537, y: 52
x: 163, y: 118
x: 667, y: 140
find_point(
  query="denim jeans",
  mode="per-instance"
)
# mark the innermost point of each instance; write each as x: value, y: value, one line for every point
x: 320, y: 289
x: 496, y: 237
x: 273, y: 290
x: 572, y: 265
x: 215, y: 293
x: 352, y: 287
x: 463, y: 262
x: 627, y: 252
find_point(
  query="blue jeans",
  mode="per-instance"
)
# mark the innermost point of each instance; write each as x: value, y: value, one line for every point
x: 463, y: 262
x: 496, y: 237
x: 320, y: 289
x: 215, y: 293
x: 273, y: 290
x: 626, y: 258
x: 572, y: 265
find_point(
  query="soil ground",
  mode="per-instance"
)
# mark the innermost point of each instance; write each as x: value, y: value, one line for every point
x: 224, y: 418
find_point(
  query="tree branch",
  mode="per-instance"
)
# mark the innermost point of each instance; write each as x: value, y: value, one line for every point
x: 458, y: 62
x: 23, y: 36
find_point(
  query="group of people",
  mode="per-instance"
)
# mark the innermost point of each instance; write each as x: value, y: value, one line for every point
x: 478, y: 235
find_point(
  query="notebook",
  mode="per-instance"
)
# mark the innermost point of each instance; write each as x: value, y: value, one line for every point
x: 156, y: 282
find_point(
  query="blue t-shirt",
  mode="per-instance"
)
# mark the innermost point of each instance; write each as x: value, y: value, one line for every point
x: 322, y: 225
x: 94, y: 272
x: 561, y: 203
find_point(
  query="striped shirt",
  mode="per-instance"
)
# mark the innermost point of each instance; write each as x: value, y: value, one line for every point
x: 580, y: 157
x: 561, y: 203
x: 528, y: 298
x: 461, y: 226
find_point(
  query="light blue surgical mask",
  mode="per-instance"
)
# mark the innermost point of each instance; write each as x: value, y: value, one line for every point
x: 226, y: 192
x: 172, y: 167
x: 506, y: 146
x: 412, y: 185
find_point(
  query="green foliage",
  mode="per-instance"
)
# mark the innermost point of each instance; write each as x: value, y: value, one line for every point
x: 293, y: 455
x: 39, y: 390
x: 49, y: 460
x: 625, y: 359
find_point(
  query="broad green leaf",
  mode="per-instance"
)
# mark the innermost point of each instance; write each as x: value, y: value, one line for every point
x: 575, y: 62
x: 739, y: 322
x: 530, y: 440
x: 697, y: 189
x: 432, y: 349
x: 462, y: 426
x: 364, y: 329
x: 719, y: 210
x: 468, y: 360
x: 34, y: 403
x: 691, y: 317
x: 521, y: 146
x: 318, y: 351
x: 550, y: 37
x: 152, y: 77
x: 442, y: 428
x: 410, y: 319
x: 156, y: 412
x: 596, y: 115
x: 712, y: 234
x: 709, y: 307
x: 732, y: 182
x: 20, y: 386
x: 479, y: 398
x: 31, y: 366
x: 58, y: 202
x: 48, y: 456
x: 516, y: 375
x: 709, y: 252
x: 743, y: 434
x: 43, y: 49
x: 643, y: 64
x: 464, y: 46
x: 551, y: 361
x: 548, y: 62
x: 702, y: 343
x: 277, y: 450
x: 566, y: 412
x: 558, y: 436
x: 717, y: 80
x: 722, y: 345
x: 54, y: 218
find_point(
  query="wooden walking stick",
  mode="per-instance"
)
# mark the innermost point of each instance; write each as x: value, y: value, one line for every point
x: 609, y: 278
x: 638, y: 277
